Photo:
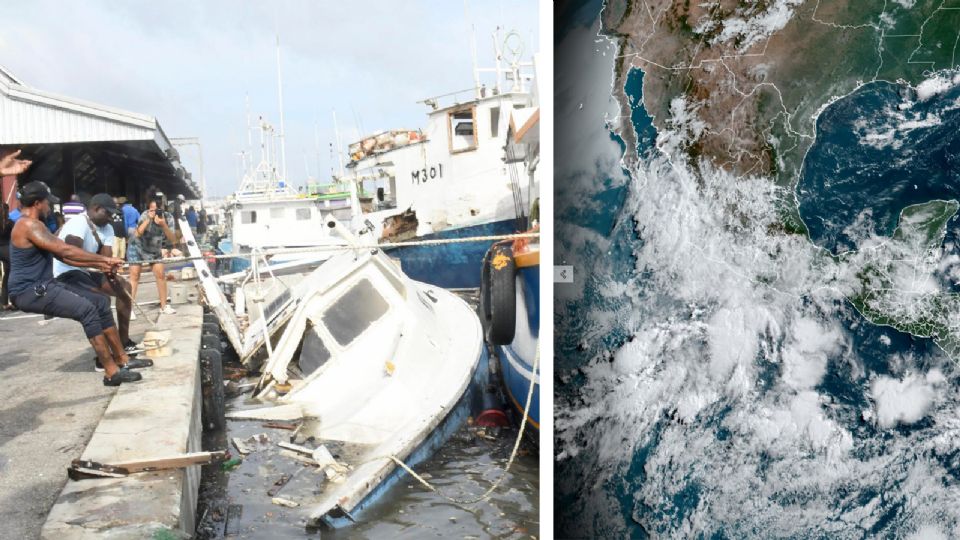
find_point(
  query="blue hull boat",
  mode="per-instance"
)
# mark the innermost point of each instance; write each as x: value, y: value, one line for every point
x: 451, y: 266
x: 510, y: 309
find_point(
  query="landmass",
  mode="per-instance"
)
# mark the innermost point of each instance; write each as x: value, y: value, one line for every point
x: 897, y: 287
x: 757, y: 74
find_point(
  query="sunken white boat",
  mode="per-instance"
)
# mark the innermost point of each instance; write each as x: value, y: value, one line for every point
x: 382, y: 365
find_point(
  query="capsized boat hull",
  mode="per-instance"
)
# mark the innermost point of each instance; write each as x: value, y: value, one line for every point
x: 382, y: 362
x: 468, y: 404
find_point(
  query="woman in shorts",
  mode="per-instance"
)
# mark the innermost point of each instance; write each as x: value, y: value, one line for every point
x: 147, y: 245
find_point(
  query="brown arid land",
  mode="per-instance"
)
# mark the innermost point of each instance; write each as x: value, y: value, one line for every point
x: 758, y: 73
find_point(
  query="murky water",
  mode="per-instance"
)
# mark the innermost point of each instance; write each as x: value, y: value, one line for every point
x: 235, y: 504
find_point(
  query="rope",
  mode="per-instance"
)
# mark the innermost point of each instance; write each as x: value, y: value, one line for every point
x: 317, y: 249
x: 513, y: 454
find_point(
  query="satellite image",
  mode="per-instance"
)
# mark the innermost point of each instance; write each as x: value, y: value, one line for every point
x: 759, y: 201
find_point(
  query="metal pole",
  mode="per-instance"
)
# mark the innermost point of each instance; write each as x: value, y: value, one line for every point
x: 283, y: 148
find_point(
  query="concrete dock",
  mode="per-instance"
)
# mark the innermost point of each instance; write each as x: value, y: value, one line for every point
x: 55, y: 409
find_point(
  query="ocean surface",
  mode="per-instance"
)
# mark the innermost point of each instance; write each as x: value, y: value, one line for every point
x: 878, y: 150
x: 709, y: 383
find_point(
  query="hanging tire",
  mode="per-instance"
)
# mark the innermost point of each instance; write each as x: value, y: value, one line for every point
x: 211, y: 390
x: 501, y: 299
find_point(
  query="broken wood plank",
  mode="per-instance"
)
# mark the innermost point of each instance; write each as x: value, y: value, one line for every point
x: 80, y: 469
x: 287, y: 412
x: 283, y: 481
x: 299, y: 457
x: 242, y: 446
x: 285, y: 502
x: 281, y: 425
x: 296, y: 448
x: 172, y: 462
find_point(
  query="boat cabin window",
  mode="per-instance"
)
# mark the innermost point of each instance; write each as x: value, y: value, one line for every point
x: 303, y: 214
x: 494, y: 122
x: 354, y: 312
x: 248, y: 216
x: 313, y: 353
x: 463, y: 132
x: 277, y: 213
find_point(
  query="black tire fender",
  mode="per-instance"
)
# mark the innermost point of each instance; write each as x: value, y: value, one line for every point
x: 501, y: 300
x: 211, y: 390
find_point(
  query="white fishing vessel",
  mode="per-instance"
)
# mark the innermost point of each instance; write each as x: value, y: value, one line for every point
x: 452, y: 178
x: 266, y: 213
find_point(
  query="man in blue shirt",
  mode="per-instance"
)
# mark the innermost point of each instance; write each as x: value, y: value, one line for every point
x: 192, y: 219
x: 130, y: 218
x: 92, y: 231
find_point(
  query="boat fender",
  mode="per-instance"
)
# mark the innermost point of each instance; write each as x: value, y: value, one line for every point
x: 211, y: 389
x: 492, y: 414
x: 501, y: 297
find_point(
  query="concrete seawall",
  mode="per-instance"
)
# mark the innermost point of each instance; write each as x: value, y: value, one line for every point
x: 157, y: 417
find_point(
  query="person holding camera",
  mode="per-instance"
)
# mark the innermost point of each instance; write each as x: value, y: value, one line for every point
x: 147, y: 245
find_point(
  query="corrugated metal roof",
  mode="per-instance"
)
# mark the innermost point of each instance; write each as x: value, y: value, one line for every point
x: 33, y: 117
x: 30, y: 116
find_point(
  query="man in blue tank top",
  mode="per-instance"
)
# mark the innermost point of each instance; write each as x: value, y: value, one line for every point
x: 33, y: 289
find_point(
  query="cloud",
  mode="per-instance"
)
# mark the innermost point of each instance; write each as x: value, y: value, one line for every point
x: 191, y: 64
x: 904, y: 401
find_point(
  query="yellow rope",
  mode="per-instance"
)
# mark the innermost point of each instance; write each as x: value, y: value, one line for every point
x: 318, y: 249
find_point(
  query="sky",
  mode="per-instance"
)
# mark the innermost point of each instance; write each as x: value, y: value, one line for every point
x: 192, y: 65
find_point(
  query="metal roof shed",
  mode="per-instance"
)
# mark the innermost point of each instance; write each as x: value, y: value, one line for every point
x: 82, y: 147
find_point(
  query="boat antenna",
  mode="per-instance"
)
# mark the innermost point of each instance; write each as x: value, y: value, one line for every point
x: 336, y: 132
x: 354, y: 197
x: 249, y: 127
x: 306, y: 165
x: 316, y: 145
x: 283, y: 148
x: 473, y: 48
x: 358, y: 120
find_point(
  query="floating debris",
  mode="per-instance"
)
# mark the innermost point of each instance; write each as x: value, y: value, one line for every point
x: 291, y: 411
x: 250, y: 444
x: 284, y: 502
x: 231, y: 464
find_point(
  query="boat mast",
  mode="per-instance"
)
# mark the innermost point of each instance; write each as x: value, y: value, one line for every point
x: 283, y: 148
x: 473, y: 49
x: 336, y: 132
x: 354, y: 197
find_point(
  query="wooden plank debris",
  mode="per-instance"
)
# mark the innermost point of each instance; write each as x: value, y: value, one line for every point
x: 80, y: 469
x: 281, y: 425
x: 284, y: 502
x: 287, y: 412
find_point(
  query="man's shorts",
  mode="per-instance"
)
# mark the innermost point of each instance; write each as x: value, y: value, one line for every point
x: 136, y: 253
x: 80, y: 278
x: 119, y: 247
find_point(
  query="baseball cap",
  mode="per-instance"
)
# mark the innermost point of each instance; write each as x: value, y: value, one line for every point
x: 36, y: 191
x: 104, y: 201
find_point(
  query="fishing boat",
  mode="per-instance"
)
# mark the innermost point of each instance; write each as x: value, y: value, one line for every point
x: 510, y: 288
x: 450, y: 179
x: 383, y: 366
x: 266, y: 213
